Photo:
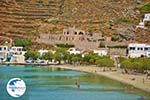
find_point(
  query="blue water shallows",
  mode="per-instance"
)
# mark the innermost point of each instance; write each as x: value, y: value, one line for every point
x: 45, y: 83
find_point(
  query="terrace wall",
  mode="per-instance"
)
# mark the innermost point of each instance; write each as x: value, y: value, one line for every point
x: 82, y: 41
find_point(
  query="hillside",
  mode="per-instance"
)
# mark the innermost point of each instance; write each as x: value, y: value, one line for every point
x: 27, y: 18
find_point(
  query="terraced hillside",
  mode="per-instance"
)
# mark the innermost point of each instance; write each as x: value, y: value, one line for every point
x: 23, y: 18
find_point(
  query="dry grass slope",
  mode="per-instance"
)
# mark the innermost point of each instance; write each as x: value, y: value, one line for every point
x: 21, y: 18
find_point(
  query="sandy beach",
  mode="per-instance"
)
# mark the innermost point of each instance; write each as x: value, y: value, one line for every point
x: 137, y: 81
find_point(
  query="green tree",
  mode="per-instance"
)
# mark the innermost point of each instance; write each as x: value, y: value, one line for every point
x: 105, y: 62
x: 32, y: 54
x: 76, y: 58
x: 145, y: 8
x: 62, y: 54
x: 90, y: 58
x: 58, y: 57
x: 138, y: 64
x: 48, y: 56
x: 126, y: 64
x: 66, y: 56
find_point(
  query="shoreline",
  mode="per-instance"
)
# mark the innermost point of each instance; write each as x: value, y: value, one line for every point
x: 114, y: 75
x: 34, y: 64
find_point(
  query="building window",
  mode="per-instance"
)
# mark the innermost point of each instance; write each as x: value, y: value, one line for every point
x: 80, y: 33
x: 19, y: 49
x: 4, y: 48
x: 145, y: 49
x: 59, y: 38
x: 72, y: 38
x: 71, y: 49
x: 66, y: 38
x: 90, y: 34
x: 139, y: 48
x: 40, y: 1
x: 82, y: 38
x: 132, y: 48
x: 0, y: 48
x: 75, y: 33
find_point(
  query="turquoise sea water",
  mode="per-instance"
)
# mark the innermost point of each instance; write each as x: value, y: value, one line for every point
x: 45, y: 83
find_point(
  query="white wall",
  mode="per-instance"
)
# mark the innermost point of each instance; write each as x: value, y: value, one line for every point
x: 101, y: 52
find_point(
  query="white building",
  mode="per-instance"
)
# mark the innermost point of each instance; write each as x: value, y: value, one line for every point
x: 42, y: 52
x: 3, y: 53
x: 74, y: 51
x: 142, y: 22
x: 138, y: 50
x: 141, y: 25
x: 16, y: 50
x: 100, y: 52
x: 17, y: 55
x: 146, y: 17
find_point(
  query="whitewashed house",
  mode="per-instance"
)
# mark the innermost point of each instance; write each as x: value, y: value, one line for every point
x: 42, y: 52
x: 74, y: 51
x: 138, y: 50
x: 16, y: 50
x: 100, y: 52
x: 17, y: 55
x: 3, y: 53
x: 141, y: 25
x: 142, y: 22
x: 146, y: 17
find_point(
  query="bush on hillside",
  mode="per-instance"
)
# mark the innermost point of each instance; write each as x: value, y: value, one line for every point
x: 145, y: 8
x: 65, y: 45
x: 22, y: 42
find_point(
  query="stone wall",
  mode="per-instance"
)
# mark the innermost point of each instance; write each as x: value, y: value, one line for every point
x: 78, y: 38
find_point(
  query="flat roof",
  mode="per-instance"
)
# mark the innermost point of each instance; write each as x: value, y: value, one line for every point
x: 138, y: 45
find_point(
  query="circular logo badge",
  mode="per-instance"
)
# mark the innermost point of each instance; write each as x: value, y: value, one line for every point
x: 16, y: 87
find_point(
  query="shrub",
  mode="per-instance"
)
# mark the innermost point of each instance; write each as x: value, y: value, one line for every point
x: 145, y: 8
x: 115, y: 38
x: 47, y: 56
x: 105, y: 62
x: 126, y: 64
x: 135, y: 63
x: 32, y: 54
x: 22, y: 42
x: 101, y: 45
x: 90, y: 58
x: 65, y: 45
x: 123, y: 19
x: 118, y: 46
